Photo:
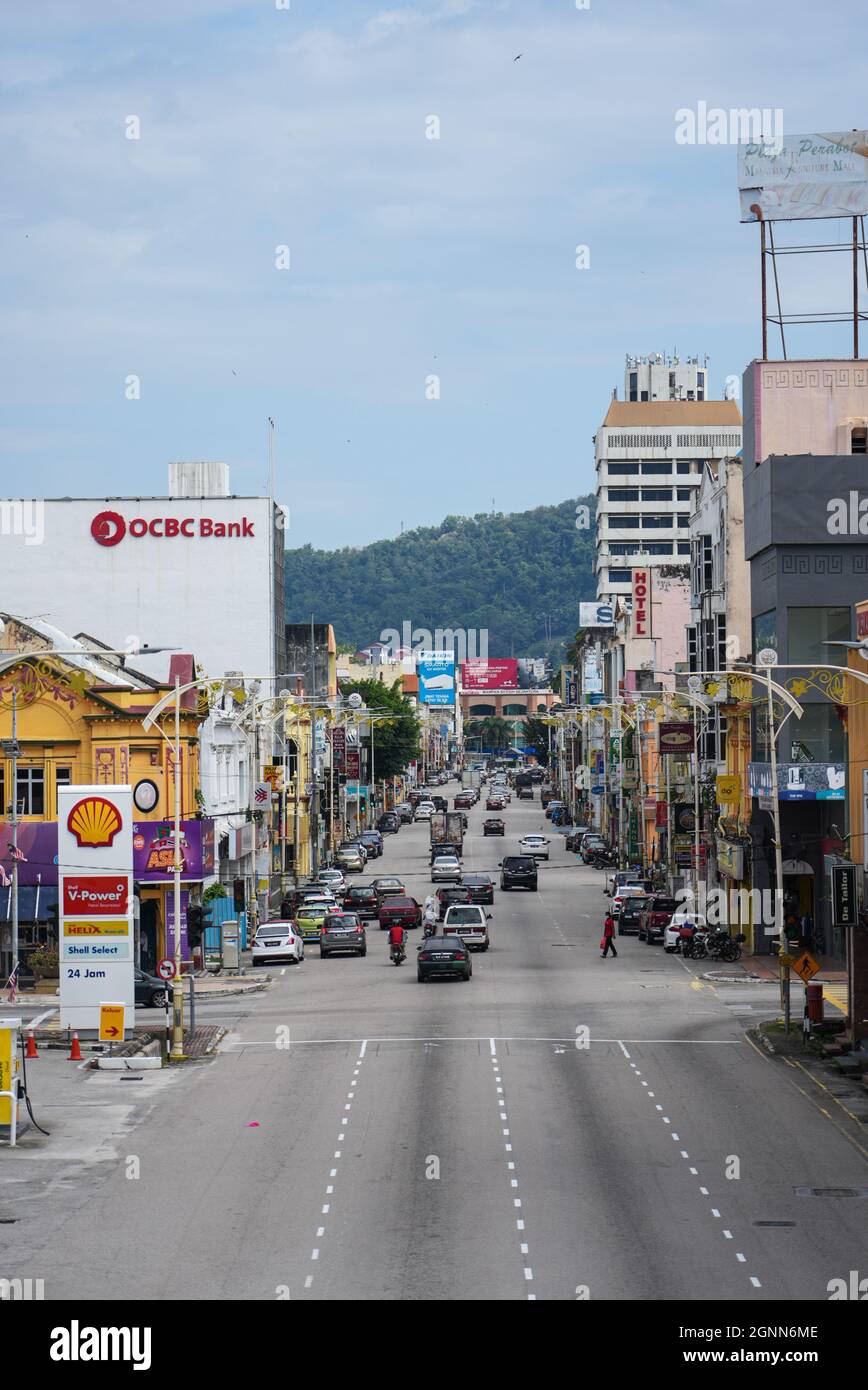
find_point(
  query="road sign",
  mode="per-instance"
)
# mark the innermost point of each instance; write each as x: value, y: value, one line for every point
x: 844, y: 899
x: 785, y: 959
x: 111, y: 1022
x: 598, y: 791
x: 806, y: 966
x: 166, y: 968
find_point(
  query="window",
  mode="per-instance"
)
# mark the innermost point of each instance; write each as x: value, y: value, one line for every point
x: 620, y: 577
x: 700, y: 378
x: 684, y: 468
x: 623, y: 494
x: 63, y: 777
x: 683, y: 520
x: 684, y: 547
x: 765, y: 632
x: 656, y: 470
x: 644, y: 395
x: 634, y: 385
x: 684, y: 494
x: 859, y: 441
x: 658, y: 522
x: 707, y: 565
x: 621, y: 548
x: 810, y: 628
x: 657, y: 548
x: 31, y: 791
x: 819, y: 737
x: 692, y: 659
x: 656, y: 494
x: 720, y: 636
x: 626, y: 522
x: 671, y: 381
x: 629, y: 468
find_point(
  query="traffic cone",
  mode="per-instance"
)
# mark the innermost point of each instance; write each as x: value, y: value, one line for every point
x: 75, y: 1050
x: 30, y: 1051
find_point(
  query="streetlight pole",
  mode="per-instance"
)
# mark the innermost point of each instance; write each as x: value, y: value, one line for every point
x: 779, y: 867
x: 14, y: 972
x: 177, y: 1054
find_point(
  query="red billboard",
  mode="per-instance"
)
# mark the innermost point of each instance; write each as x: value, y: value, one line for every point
x: 487, y: 674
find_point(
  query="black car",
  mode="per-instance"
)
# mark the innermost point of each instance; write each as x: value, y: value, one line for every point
x: 440, y: 803
x: 591, y: 845
x: 628, y: 921
x: 449, y: 895
x: 388, y: 824
x: 443, y: 955
x: 362, y: 898
x: 373, y: 843
x: 481, y: 887
x: 518, y: 871
x: 150, y: 991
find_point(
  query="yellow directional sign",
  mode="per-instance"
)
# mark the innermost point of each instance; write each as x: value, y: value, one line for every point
x: 111, y: 1023
x: 806, y: 966
x: 785, y: 959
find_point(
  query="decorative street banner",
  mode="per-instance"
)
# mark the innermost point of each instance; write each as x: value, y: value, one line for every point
x: 95, y: 846
x: 804, y: 176
x: 676, y: 738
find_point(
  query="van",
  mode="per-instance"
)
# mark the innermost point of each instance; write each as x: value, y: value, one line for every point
x: 469, y: 921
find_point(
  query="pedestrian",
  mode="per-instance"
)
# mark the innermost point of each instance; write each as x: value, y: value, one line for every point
x: 608, y: 941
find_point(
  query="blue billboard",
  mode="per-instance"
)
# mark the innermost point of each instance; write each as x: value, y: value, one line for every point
x: 436, y: 672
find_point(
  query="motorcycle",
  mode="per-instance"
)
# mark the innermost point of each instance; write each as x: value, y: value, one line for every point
x: 603, y: 859
x: 398, y: 955
x: 722, y: 946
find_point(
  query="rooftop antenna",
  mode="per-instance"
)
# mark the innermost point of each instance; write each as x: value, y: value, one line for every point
x: 270, y: 459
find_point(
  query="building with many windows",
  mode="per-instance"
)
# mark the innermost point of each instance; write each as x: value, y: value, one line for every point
x: 650, y: 457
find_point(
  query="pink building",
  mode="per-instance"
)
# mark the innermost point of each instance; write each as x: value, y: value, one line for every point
x: 806, y: 407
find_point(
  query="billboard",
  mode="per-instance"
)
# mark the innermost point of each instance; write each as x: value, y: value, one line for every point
x: 596, y: 615
x: 436, y: 671
x: 804, y: 176
x: 676, y: 738
x: 641, y: 603
x: 592, y: 676
x: 94, y: 847
x: 487, y: 674
x: 800, y: 781
x: 154, y: 850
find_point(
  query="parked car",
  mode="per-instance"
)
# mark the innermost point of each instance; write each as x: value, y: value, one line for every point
x: 350, y: 859
x: 372, y: 841
x: 575, y: 836
x: 402, y: 911
x: 591, y: 845
x: 679, y: 919
x: 535, y: 845
x: 442, y: 956
x: 481, y: 887
x: 150, y: 991
x: 631, y: 912
x: 343, y: 931
x: 388, y: 824
x: 277, y: 940
x: 355, y: 844
x: 404, y: 812
x: 618, y: 877
x: 332, y: 881
x: 624, y: 894
x: 470, y: 922
x: 518, y: 871
x: 552, y: 806
x: 310, y: 917
x: 446, y: 868
x: 450, y: 894
x: 654, y: 919
x: 493, y: 826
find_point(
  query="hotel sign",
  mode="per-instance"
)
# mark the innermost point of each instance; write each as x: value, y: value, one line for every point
x: 641, y: 603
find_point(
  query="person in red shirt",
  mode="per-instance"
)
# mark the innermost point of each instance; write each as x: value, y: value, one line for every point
x: 397, y: 938
x: 608, y: 937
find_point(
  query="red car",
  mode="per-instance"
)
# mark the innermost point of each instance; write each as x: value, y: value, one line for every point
x: 404, y: 912
x: 494, y: 803
x: 463, y: 801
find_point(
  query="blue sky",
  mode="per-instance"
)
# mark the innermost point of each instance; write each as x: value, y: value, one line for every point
x: 263, y: 127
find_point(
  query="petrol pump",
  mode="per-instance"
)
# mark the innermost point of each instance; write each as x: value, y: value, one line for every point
x: 10, y: 1067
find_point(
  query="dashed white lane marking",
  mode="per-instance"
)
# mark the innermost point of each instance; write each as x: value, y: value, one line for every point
x: 513, y: 1181
x: 308, y: 1281
x: 364, y: 1049
x: 492, y: 1045
x: 715, y: 1212
x: 333, y: 1172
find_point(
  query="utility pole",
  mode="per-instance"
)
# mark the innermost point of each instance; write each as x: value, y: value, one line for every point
x: 177, y: 1054
x: 15, y: 751
x: 779, y: 868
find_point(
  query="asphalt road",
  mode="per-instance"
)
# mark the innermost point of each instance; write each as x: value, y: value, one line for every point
x: 452, y: 1141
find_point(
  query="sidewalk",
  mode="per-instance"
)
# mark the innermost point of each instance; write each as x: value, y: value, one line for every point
x: 208, y: 986
x: 831, y: 975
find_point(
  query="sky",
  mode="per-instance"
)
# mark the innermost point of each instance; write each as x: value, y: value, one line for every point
x: 304, y: 125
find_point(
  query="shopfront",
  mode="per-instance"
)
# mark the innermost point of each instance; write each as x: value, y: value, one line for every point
x: 153, y: 872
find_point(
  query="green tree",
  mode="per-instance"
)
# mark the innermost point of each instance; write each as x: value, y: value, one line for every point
x: 396, y: 739
x: 536, y: 735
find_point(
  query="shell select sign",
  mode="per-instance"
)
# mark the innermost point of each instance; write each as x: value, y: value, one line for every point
x: 94, y: 821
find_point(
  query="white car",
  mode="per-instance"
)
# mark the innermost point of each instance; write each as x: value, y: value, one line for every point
x: 676, y: 922
x: 332, y: 881
x: 535, y: 845
x: 446, y: 869
x: 470, y: 922
x: 277, y: 941
x: 627, y: 890
x: 424, y: 810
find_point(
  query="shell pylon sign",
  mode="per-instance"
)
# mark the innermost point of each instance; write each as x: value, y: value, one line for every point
x: 97, y: 957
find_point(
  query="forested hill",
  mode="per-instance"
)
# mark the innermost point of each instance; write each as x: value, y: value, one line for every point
x: 520, y: 575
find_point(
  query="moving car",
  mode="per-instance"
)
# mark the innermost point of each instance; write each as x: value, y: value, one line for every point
x: 384, y: 887
x: 535, y: 845
x: 150, y: 991
x: 463, y: 801
x: 404, y: 812
x: 446, y: 869
x: 372, y: 841
x: 452, y: 893
x: 362, y: 899
x: 493, y: 826
x: 525, y: 793
x: 481, y: 887
x: 277, y: 940
x: 388, y: 824
x: 518, y: 871
x: 350, y: 859
x: 657, y: 914
x: 343, y: 931
x: 397, y: 911
x: 443, y: 956
x: 424, y: 810
x: 309, y: 920
x: 331, y: 881
x: 470, y: 922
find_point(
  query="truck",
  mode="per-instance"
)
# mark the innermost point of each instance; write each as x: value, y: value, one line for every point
x: 447, y: 832
x: 524, y: 786
x: 470, y: 777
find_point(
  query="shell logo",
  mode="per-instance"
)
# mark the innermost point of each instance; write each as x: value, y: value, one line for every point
x: 94, y: 822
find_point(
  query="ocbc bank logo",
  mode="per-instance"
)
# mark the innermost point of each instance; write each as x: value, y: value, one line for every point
x: 108, y: 528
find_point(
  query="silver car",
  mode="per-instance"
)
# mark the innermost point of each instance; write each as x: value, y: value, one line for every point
x: 446, y: 869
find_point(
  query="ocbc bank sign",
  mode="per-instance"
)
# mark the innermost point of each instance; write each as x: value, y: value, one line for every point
x: 110, y: 528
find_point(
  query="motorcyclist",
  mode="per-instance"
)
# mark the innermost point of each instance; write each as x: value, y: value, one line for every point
x: 430, y: 915
x: 397, y: 939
